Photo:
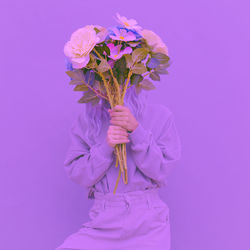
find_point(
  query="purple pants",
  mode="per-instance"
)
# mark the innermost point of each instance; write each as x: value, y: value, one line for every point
x: 124, y: 221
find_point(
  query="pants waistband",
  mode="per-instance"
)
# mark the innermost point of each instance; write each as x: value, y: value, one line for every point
x: 148, y: 196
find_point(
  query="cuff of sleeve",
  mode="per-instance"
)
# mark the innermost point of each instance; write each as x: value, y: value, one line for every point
x: 138, y: 135
x: 105, y: 149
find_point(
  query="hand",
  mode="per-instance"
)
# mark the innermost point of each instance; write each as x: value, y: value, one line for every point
x: 116, y: 135
x: 122, y: 116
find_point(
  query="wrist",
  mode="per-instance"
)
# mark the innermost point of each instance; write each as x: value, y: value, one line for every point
x: 137, y: 124
x: 133, y: 129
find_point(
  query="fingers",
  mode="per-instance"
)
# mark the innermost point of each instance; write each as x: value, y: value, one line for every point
x: 117, y: 128
x: 117, y: 135
x: 118, y: 132
x: 113, y: 113
x: 119, y: 108
x: 119, y: 118
x: 118, y: 112
x: 119, y: 138
x: 112, y: 140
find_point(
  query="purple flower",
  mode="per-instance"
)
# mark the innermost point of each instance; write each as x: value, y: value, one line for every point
x: 130, y: 24
x: 122, y: 35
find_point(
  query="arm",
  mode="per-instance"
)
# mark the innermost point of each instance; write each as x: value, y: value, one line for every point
x: 156, y: 157
x: 85, y: 165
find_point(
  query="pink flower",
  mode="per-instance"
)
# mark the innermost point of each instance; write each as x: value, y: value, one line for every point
x: 123, y: 35
x: 154, y: 41
x: 81, y: 43
x: 116, y: 52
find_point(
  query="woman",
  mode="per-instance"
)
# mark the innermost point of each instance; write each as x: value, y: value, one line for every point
x: 134, y: 217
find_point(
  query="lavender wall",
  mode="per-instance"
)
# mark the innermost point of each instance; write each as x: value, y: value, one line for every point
x: 207, y: 89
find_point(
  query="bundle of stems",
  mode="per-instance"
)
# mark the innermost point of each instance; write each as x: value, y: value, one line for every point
x: 116, y: 93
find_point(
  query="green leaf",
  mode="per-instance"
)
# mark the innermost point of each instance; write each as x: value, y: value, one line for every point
x: 106, y: 49
x: 120, y: 70
x: 98, y: 77
x: 138, y: 89
x: 161, y: 68
x: 139, y: 68
x: 107, y: 75
x: 81, y: 87
x: 139, y: 54
x: 95, y: 101
x: 103, y: 66
x: 99, y: 49
x: 135, y: 79
x: 98, y: 86
x: 129, y: 60
x: 164, y: 65
x: 161, y: 71
x: 97, y: 30
x: 154, y: 76
x: 152, y: 63
x: 147, y: 85
x: 92, y: 62
x: 162, y: 58
x: 88, y: 96
x: 76, y: 74
x: 75, y: 82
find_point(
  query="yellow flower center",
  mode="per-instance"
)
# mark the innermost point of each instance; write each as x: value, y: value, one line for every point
x: 122, y: 37
x: 126, y: 24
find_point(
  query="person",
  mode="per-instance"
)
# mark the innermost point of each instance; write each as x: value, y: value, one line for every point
x: 135, y: 217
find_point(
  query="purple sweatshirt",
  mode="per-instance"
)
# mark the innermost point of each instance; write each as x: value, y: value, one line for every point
x: 153, y: 149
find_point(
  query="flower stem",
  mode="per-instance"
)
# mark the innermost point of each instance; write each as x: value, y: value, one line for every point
x: 148, y: 73
x: 96, y: 91
x: 126, y: 84
x: 111, y: 71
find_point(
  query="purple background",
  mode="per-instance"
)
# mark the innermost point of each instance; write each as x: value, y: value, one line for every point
x: 207, y: 89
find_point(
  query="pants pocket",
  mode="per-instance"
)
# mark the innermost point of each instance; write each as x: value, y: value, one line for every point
x: 95, y: 211
x: 161, y: 211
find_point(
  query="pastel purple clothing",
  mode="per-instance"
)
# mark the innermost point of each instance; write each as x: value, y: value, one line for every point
x: 152, y: 152
x: 135, y: 220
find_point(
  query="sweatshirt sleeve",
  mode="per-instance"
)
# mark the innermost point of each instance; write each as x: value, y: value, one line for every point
x: 155, y: 157
x: 83, y: 164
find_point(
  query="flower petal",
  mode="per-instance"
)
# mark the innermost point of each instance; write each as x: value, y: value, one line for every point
x: 127, y: 50
x: 80, y: 62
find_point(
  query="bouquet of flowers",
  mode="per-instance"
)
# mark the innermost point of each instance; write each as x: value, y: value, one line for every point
x: 104, y: 63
